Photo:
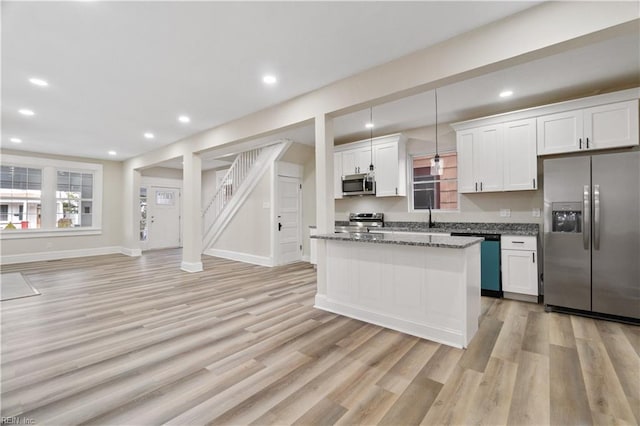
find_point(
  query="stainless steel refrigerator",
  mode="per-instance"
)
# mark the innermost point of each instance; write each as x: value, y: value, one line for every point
x: 592, y: 234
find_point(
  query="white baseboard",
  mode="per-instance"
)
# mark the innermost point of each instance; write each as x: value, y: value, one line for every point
x: 240, y: 257
x: 59, y: 254
x: 306, y: 258
x: 426, y: 331
x: 133, y: 252
x: 191, y: 266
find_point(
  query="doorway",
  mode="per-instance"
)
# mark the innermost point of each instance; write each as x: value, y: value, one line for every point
x: 289, y: 220
x: 164, y: 226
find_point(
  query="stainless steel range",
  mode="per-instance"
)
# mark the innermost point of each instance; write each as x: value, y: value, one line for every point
x: 362, y: 222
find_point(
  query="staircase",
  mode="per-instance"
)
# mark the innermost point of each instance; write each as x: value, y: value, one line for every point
x: 243, y: 175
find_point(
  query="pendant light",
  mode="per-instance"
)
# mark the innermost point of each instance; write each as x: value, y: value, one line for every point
x: 437, y: 164
x: 371, y: 174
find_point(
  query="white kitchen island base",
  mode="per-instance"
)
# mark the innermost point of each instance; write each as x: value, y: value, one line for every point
x: 431, y: 292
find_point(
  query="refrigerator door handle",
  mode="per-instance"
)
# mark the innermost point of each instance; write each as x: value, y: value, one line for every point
x: 596, y: 217
x: 586, y: 216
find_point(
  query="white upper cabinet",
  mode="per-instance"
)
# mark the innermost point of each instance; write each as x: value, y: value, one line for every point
x: 487, y: 158
x: 389, y: 171
x: 356, y: 160
x: 520, y: 161
x: 466, y: 139
x: 611, y: 125
x: 389, y: 159
x: 499, y: 157
x: 560, y: 132
x: 499, y: 153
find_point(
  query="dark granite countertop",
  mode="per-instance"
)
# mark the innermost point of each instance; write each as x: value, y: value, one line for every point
x: 532, y: 229
x: 443, y: 241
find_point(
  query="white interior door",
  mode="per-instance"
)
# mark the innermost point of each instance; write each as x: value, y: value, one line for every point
x: 289, y: 220
x: 163, y: 218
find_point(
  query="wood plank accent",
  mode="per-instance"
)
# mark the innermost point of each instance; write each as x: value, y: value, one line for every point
x: 121, y: 340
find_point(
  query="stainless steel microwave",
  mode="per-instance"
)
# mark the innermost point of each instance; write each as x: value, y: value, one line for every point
x: 358, y: 184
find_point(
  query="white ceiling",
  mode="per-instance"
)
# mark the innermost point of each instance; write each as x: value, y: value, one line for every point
x: 597, y: 68
x: 119, y: 69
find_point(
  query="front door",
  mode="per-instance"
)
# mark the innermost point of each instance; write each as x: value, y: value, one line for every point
x: 164, y: 218
x: 289, y: 220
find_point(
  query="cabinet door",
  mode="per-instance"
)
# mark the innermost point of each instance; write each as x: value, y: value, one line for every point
x: 356, y: 161
x: 611, y: 126
x: 519, y: 272
x: 520, y: 161
x: 386, y: 169
x: 364, y: 157
x: 560, y: 132
x: 466, y: 178
x: 487, y: 158
x: 337, y: 175
x: 349, y: 162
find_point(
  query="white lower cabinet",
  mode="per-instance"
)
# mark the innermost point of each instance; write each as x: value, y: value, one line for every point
x: 519, y: 258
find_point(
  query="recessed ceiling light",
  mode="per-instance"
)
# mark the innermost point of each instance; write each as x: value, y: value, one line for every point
x: 269, y: 79
x: 506, y: 93
x: 16, y: 140
x: 28, y: 112
x: 184, y: 119
x: 38, y: 82
x: 369, y: 125
x: 149, y: 135
x: 112, y: 153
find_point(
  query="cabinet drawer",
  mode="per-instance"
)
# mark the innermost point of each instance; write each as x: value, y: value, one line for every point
x: 518, y: 242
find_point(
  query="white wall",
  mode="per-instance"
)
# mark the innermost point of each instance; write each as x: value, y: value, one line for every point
x: 109, y: 240
x: 249, y: 232
x: 162, y: 172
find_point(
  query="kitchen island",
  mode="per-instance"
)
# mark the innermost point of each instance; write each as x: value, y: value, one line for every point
x: 424, y: 285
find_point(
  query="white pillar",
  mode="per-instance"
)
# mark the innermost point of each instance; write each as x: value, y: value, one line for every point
x: 191, y: 213
x: 325, y: 202
x: 48, y: 201
x: 131, y: 212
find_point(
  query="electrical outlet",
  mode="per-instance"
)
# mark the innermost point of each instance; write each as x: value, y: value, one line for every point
x: 505, y: 212
x: 535, y: 212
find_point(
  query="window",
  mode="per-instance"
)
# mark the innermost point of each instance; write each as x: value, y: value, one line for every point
x: 144, y: 228
x: 74, y: 199
x: 44, y: 197
x: 20, y: 195
x: 437, y: 192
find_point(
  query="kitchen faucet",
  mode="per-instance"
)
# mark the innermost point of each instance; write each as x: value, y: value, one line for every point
x: 431, y: 223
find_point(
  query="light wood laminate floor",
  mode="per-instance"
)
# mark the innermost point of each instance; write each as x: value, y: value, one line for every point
x: 135, y: 341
